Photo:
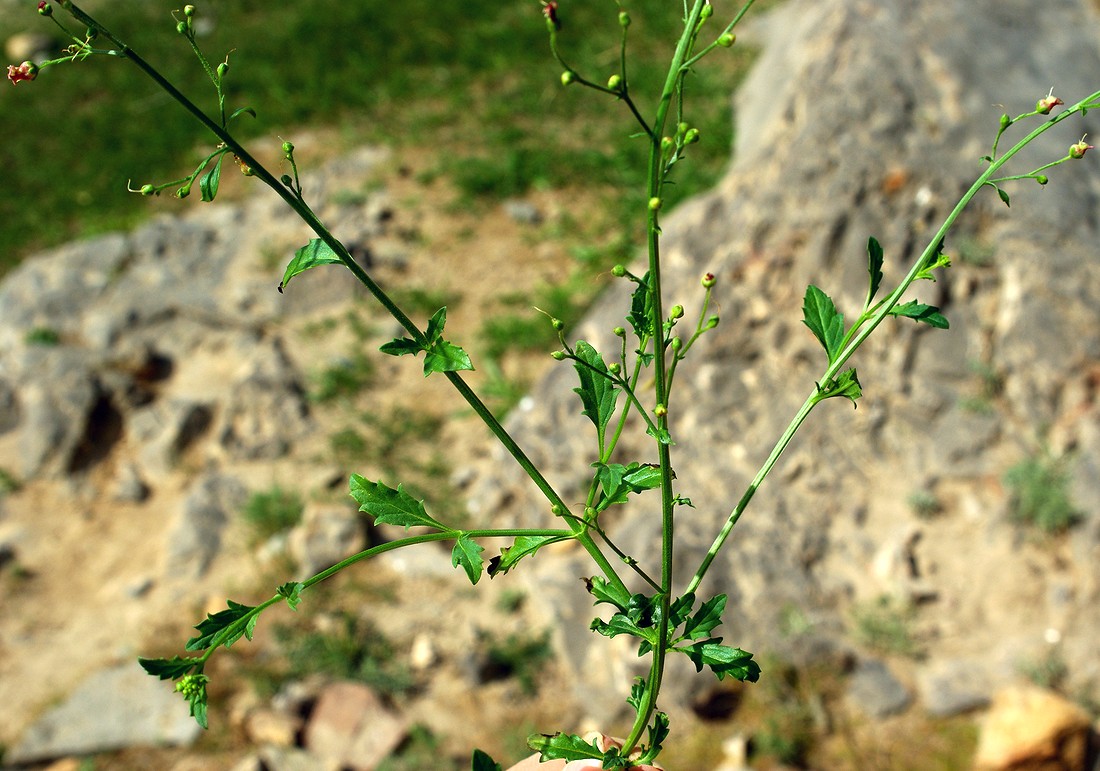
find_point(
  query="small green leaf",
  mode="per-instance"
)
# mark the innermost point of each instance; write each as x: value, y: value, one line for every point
x: 239, y: 112
x: 641, y: 310
x: 482, y: 762
x: 598, y: 392
x: 563, y: 747
x: 617, y: 625
x: 315, y: 253
x: 723, y: 660
x: 291, y: 592
x: 679, y: 610
x: 467, y: 553
x: 874, y: 267
x: 929, y: 314
x: 524, y: 546
x: 933, y: 262
x: 846, y: 384
x: 658, y: 732
x: 819, y: 313
x: 607, y: 592
x: 1003, y: 195
x: 234, y: 622
x: 169, y: 669
x: 661, y: 435
x: 389, y: 506
x: 400, y: 346
x: 208, y: 182
x: 446, y: 357
x: 708, y: 617
x: 436, y: 324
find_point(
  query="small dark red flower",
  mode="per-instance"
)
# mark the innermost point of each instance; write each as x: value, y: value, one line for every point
x: 550, y: 10
x: 25, y: 71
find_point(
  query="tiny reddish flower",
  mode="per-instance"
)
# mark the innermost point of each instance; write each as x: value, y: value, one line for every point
x: 1047, y: 103
x: 25, y: 71
x: 550, y: 11
x: 45, y: 9
x: 1078, y: 150
x: 709, y: 280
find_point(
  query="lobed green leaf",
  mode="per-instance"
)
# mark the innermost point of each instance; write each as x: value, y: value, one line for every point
x: 401, y: 346
x: 641, y: 310
x: 315, y: 253
x: 524, y: 546
x: 291, y: 592
x: 467, y: 553
x: 845, y: 384
x: 604, y: 591
x: 563, y: 747
x: 224, y: 627
x: 598, y: 392
x: 389, y: 506
x: 929, y: 314
x: 170, y: 669
x: 819, y: 313
x: 446, y: 357
x: 706, y: 619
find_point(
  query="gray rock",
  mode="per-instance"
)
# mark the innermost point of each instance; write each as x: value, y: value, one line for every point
x: 350, y: 727
x: 874, y: 690
x: 954, y: 686
x: 326, y: 535
x: 195, y: 538
x: 113, y: 709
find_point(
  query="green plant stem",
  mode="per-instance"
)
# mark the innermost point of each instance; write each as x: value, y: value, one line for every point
x: 315, y: 224
x: 863, y: 330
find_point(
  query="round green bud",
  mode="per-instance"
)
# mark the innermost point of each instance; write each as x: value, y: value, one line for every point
x: 222, y: 69
x: 618, y: 332
x: 677, y: 312
x: 660, y: 410
x: 667, y: 144
x: 618, y: 271
x: 557, y: 324
x: 182, y: 28
x: 614, y: 368
x: 712, y: 322
x: 1005, y: 122
x: 707, y: 12
x: 286, y: 180
x: 557, y: 510
x: 727, y: 40
x: 1042, y: 179
x: 692, y: 135
x: 624, y: 19
x: 589, y: 512
x: 183, y: 192
x: 681, y: 128
x: 188, y: 11
x: 615, y: 82
x: 557, y: 355
x: 654, y: 203
x: 567, y: 77
x: 148, y: 190
x: 708, y: 280
x: 288, y: 148
x: 676, y: 344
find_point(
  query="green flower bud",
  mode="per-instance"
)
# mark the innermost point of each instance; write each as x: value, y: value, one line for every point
x: 567, y: 77
x: 589, y: 512
x: 624, y: 19
x: 667, y: 144
x: 557, y: 324
x: 681, y: 129
x: 557, y: 355
x: 614, y: 82
x: 288, y: 149
x: 676, y: 343
x: 45, y: 9
x: 618, y: 332
x: 707, y: 12
x: 614, y: 368
x: 1005, y: 122
x: 188, y: 11
x: 222, y: 69
x: 712, y: 322
x: 286, y: 180
x: 557, y: 510
x: 183, y: 192
x: 1042, y: 179
x: 182, y: 28
x: 727, y: 40
x: 709, y: 280
x: 660, y: 410
x: 1077, y: 151
x: 692, y: 135
x: 148, y: 190
x: 618, y: 271
x: 677, y: 312
x: 654, y: 204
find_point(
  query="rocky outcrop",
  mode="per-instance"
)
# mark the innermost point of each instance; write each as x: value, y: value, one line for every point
x: 867, y: 119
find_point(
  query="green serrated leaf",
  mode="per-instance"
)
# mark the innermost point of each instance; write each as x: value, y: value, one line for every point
x: 197, y: 705
x: 291, y: 592
x: 229, y: 622
x: 208, y: 182
x: 315, y: 253
x: 706, y: 618
x: 389, y: 506
x: 598, y: 392
x: 819, y: 313
x: 467, y: 553
x: 928, y: 314
x: 524, y: 546
x: 874, y: 268
x: 169, y: 669
x: 845, y: 384
x: 482, y: 762
x: 436, y: 323
x: 641, y: 310
x: 618, y: 624
x: 563, y: 747
x: 658, y: 732
x: 679, y: 609
x: 446, y: 357
x: 606, y: 592
x: 401, y: 346
x: 723, y: 660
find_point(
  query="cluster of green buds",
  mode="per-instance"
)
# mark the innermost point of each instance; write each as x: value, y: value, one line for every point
x: 187, y: 26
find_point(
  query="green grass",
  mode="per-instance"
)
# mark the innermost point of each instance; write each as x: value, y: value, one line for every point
x: 1040, y: 498
x: 272, y: 511
x: 473, y: 80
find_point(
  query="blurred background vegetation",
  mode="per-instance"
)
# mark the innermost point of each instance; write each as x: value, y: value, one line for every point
x: 470, y: 85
